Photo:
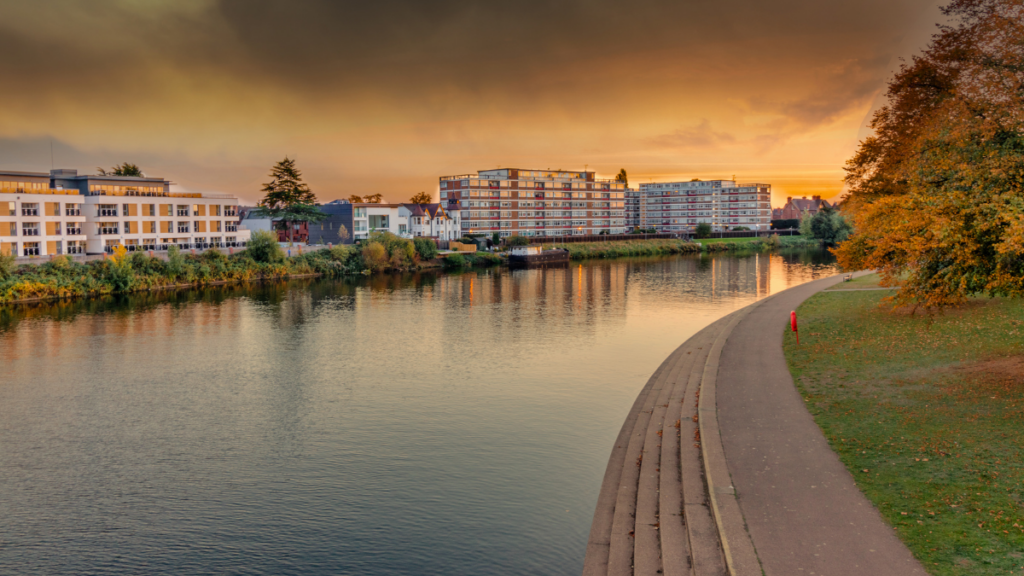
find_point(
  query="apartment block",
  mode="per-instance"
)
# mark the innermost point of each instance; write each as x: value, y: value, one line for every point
x: 680, y: 206
x: 536, y: 202
x: 66, y: 213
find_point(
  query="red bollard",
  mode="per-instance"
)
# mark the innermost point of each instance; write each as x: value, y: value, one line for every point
x: 231, y: 250
x: 150, y: 253
x: 792, y: 323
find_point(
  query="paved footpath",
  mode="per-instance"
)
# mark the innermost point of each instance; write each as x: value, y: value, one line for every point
x: 719, y: 469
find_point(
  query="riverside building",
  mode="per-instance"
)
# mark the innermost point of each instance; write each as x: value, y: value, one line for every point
x: 66, y: 213
x: 724, y: 204
x: 536, y: 202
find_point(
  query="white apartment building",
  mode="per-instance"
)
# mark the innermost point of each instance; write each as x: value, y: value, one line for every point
x: 367, y: 218
x: 64, y: 213
x: 724, y: 204
x: 536, y: 202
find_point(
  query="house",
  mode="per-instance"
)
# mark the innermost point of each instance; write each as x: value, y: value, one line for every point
x: 795, y: 208
x: 299, y: 230
x: 433, y: 221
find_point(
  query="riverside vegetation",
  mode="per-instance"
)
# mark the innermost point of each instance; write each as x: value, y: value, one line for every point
x: 660, y: 247
x: 264, y: 259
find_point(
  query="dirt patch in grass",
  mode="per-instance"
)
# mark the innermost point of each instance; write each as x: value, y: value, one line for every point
x: 1007, y: 370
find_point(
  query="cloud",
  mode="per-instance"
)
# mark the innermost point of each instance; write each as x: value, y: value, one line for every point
x: 700, y: 136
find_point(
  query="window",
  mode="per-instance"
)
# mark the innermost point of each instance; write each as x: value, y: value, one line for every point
x: 182, y: 211
x: 214, y: 210
x: 13, y: 210
x: 72, y: 209
x: 30, y: 229
x: 31, y: 249
x: 231, y: 227
x: 125, y: 210
x: 183, y: 226
x: 231, y: 210
x: 107, y: 227
x: 73, y: 228
x: 30, y: 209
x: 106, y: 210
x: 149, y: 209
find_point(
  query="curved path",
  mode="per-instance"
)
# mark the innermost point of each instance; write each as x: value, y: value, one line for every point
x: 719, y: 469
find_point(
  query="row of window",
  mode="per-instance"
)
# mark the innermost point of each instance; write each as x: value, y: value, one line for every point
x: 111, y: 210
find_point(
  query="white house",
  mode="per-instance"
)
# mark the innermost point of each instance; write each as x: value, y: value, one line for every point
x: 433, y: 221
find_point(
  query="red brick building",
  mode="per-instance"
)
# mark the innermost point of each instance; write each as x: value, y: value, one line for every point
x: 795, y: 208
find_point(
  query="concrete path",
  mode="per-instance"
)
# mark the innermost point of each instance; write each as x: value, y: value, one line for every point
x: 720, y: 469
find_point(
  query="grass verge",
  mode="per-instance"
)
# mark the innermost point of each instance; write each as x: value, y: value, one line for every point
x: 927, y: 413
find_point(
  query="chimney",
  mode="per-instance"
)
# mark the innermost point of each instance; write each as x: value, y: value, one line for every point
x: 789, y: 199
x: 815, y: 198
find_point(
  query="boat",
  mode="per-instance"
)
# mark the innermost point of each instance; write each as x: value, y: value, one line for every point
x: 523, y: 256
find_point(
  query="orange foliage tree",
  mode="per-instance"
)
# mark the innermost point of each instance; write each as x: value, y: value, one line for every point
x: 937, y: 193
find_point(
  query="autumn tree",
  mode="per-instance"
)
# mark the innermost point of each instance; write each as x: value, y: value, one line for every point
x: 123, y: 169
x: 373, y: 198
x: 421, y: 198
x: 287, y: 199
x: 355, y: 199
x: 937, y: 193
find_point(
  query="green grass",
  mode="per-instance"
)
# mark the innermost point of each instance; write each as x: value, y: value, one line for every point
x: 927, y: 413
x: 866, y: 281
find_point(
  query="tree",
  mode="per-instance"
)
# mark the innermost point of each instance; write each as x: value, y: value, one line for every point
x: 421, y: 198
x: 123, y: 169
x: 355, y: 199
x: 935, y: 193
x: 703, y: 230
x: 288, y: 199
x: 373, y: 198
x: 621, y: 177
x: 806, y: 221
x: 829, y: 226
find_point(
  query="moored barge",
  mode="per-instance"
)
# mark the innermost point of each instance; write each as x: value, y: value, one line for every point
x: 522, y: 256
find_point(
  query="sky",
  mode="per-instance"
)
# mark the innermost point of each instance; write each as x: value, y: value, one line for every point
x: 385, y: 96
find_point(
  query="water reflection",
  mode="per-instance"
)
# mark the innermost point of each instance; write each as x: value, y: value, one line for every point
x: 405, y: 424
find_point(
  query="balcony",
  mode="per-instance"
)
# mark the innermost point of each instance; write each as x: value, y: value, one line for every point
x: 30, y: 231
x: 106, y: 231
x: 108, y: 213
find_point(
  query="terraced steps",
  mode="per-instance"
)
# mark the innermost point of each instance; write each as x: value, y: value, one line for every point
x: 658, y: 510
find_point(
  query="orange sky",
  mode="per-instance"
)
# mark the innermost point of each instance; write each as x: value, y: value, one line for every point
x: 386, y: 96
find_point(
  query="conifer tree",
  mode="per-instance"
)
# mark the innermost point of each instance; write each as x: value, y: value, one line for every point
x: 288, y: 199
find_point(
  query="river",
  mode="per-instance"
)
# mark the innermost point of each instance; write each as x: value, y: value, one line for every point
x: 416, y: 424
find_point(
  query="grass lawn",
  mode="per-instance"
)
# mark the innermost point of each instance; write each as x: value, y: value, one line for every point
x: 927, y: 413
x: 867, y: 281
x: 726, y: 240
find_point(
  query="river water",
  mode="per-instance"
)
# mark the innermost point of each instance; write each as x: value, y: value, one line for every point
x: 418, y: 424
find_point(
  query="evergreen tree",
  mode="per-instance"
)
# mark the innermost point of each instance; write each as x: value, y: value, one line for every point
x: 288, y: 199
x: 622, y: 177
x: 123, y: 169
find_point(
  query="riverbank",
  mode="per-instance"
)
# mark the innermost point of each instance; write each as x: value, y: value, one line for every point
x: 925, y: 413
x: 64, y: 277
x: 660, y: 247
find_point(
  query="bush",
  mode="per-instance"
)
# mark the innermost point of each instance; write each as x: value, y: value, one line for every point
x: 495, y: 238
x: 263, y: 247
x: 740, y: 229
x: 375, y: 256
x: 342, y: 253
x: 7, y: 265
x: 120, y: 273
x: 454, y: 261
x: 517, y: 240
x: 703, y: 230
x: 175, y: 262
x: 426, y: 248
x: 772, y: 242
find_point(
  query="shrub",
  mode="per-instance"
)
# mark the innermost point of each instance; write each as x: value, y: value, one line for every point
x: 175, y: 262
x: 213, y: 255
x: 120, y: 273
x: 517, y: 240
x: 342, y: 253
x: 426, y: 248
x: 375, y: 256
x: 772, y: 242
x: 263, y: 247
x: 7, y: 265
x: 454, y: 261
x: 703, y: 230
x: 495, y: 238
